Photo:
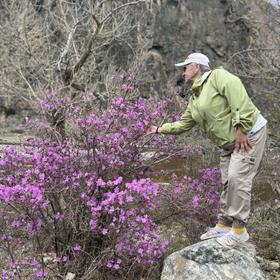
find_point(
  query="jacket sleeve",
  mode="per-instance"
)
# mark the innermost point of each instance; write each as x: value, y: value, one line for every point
x: 184, y: 124
x: 243, y: 111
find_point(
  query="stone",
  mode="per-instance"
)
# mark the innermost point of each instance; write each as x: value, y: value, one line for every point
x: 269, y: 266
x: 70, y: 276
x: 210, y: 260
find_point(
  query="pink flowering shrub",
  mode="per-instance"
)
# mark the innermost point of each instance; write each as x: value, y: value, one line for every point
x: 194, y: 202
x: 86, y: 203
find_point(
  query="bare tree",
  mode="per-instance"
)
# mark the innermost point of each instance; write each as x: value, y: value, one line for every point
x: 64, y: 46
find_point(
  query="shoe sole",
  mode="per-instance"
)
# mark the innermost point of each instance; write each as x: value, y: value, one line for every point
x: 213, y: 236
x: 237, y: 242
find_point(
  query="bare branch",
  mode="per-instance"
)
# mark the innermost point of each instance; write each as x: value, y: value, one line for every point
x: 67, y: 46
x: 250, y: 50
x: 120, y: 7
x: 87, y: 52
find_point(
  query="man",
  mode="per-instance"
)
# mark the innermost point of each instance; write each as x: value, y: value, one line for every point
x: 221, y: 107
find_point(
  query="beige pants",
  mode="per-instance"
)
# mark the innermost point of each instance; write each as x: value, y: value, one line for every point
x: 238, y: 171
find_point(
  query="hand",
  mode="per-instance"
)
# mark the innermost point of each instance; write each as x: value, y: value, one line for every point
x: 242, y: 143
x: 152, y: 130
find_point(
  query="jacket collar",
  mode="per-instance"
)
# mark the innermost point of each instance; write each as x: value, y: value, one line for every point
x: 199, y: 81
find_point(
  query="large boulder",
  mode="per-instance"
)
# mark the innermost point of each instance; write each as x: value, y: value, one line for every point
x: 209, y: 260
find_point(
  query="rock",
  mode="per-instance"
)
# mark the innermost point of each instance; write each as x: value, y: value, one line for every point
x: 148, y: 155
x: 269, y: 266
x: 49, y: 258
x: 70, y: 276
x: 209, y: 260
x: 273, y: 266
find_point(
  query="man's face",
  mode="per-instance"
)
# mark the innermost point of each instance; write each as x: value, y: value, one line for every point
x: 190, y: 72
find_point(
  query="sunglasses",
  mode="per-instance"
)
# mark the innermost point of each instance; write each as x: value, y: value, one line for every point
x: 185, y: 67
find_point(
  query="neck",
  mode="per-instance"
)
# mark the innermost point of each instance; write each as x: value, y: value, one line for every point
x: 194, y: 77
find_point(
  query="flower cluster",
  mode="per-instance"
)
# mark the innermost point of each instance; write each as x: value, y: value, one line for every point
x: 52, y: 102
x: 196, y: 200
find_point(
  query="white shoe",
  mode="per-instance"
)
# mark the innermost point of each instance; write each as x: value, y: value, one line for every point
x: 231, y: 239
x: 215, y: 232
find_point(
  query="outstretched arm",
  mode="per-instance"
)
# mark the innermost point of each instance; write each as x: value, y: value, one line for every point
x: 153, y: 130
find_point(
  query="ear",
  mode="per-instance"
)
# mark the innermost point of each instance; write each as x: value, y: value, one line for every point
x: 198, y: 68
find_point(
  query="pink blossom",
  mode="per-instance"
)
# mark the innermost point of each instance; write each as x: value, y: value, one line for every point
x: 77, y: 248
x: 129, y: 198
x: 92, y: 224
x: 195, y: 201
x: 116, y: 266
x: 41, y: 273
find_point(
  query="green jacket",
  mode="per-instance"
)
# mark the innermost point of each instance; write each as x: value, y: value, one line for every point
x: 218, y: 104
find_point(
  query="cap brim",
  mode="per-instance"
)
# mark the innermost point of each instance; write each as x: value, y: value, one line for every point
x: 181, y: 64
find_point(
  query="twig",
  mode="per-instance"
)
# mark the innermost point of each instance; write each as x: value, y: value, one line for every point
x: 120, y: 7
x: 67, y: 46
x: 251, y: 50
x: 14, y: 143
x: 32, y: 90
x: 86, y: 54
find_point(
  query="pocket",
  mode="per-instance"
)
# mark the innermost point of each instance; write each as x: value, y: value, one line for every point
x: 249, y: 162
x: 242, y: 164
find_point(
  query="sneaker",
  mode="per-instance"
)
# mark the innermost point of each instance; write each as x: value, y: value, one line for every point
x: 215, y: 232
x: 231, y: 239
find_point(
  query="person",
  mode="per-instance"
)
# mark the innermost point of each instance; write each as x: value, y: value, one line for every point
x: 220, y: 105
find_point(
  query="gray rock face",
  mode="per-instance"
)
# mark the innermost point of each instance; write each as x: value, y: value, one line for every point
x: 209, y: 260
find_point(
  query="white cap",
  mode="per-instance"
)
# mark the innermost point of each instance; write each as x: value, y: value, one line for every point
x: 197, y: 58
